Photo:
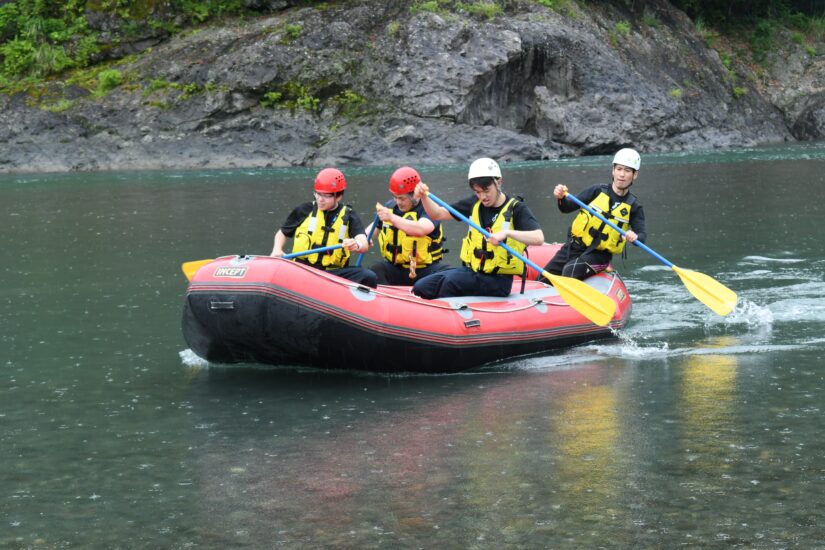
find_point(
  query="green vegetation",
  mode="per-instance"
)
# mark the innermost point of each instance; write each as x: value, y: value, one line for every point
x: 154, y: 86
x: 485, y: 8
x: 622, y: 27
x: 291, y: 33
x: 296, y: 95
x: 393, y: 28
x: 350, y: 104
x: 619, y: 30
x: 41, y: 38
x: 271, y: 99
x: 108, y: 80
x: 734, y: 12
x: 434, y: 6
x: 757, y: 22
x: 676, y: 93
x: 650, y: 21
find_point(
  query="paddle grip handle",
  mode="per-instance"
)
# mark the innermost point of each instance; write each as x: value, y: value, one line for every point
x: 640, y: 244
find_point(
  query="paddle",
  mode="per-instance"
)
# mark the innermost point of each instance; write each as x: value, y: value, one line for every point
x: 190, y: 268
x: 369, y: 238
x: 707, y: 290
x: 579, y: 295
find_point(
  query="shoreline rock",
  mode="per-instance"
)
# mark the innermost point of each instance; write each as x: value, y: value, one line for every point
x: 368, y: 83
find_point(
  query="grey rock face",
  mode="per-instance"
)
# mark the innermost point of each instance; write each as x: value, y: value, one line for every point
x: 369, y: 83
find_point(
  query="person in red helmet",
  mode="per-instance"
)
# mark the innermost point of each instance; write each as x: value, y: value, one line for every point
x: 326, y: 222
x: 409, y: 241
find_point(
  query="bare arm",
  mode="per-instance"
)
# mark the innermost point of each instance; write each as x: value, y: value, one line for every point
x: 278, y: 247
x: 433, y: 210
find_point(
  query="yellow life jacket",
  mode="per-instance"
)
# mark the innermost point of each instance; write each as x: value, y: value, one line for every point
x: 479, y: 255
x: 589, y: 228
x: 396, y: 246
x: 315, y: 233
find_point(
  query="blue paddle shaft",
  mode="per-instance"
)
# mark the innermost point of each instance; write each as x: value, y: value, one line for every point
x: 484, y: 232
x: 313, y: 251
x: 640, y: 244
x: 369, y: 238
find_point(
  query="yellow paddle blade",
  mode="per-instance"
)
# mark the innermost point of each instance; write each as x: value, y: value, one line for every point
x: 708, y: 290
x: 190, y: 268
x: 585, y: 299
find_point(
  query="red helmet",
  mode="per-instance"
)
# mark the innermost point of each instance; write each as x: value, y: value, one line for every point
x: 330, y: 180
x: 404, y: 180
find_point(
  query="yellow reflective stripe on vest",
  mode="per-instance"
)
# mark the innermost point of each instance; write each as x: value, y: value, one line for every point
x: 480, y: 255
x: 314, y: 233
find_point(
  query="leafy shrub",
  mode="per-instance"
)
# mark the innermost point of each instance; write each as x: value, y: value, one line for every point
x: 271, y: 99
x: 486, y: 9
x: 762, y: 40
x: 350, y: 103
x: 622, y: 27
x: 108, y: 80
x: 18, y: 57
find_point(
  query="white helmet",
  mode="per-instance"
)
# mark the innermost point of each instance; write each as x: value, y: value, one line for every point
x: 484, y: 168
x: 628, y: 157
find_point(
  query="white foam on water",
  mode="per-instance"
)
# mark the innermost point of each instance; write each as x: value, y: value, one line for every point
x: 190, y: 359
x: 655, y: 267
x: 565, y: 361
x: 795, y: 309
x: 766, y: 259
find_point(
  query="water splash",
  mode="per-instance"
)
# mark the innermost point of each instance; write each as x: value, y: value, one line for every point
x: 190, y: 359
x: 631, y: 345
x: 746, y: 313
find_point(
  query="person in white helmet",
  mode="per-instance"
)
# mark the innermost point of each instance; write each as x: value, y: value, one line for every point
x: 590, y: 242
x: 487, y: 269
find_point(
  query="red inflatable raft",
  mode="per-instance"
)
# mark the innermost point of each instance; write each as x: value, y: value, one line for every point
x: 257, y: 309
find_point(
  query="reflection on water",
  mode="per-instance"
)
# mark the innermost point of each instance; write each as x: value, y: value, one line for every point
x: 708, y: 392
x: 588, y: 436
x: 466, y: 460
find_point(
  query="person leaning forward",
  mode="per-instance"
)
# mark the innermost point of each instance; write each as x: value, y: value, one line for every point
x: 487, y: 268
x: 326, y: 222
x: 591, y: 243
x: 409, y: 241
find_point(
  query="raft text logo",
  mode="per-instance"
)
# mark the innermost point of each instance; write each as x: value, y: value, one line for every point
x: 237, y: 272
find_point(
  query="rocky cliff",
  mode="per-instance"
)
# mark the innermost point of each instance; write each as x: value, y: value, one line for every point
x: 366, y: 82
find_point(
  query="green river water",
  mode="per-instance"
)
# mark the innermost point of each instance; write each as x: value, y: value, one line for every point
x: 689, y: 430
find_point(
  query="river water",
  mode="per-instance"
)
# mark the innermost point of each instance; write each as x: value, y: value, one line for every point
x: 689, y: 430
